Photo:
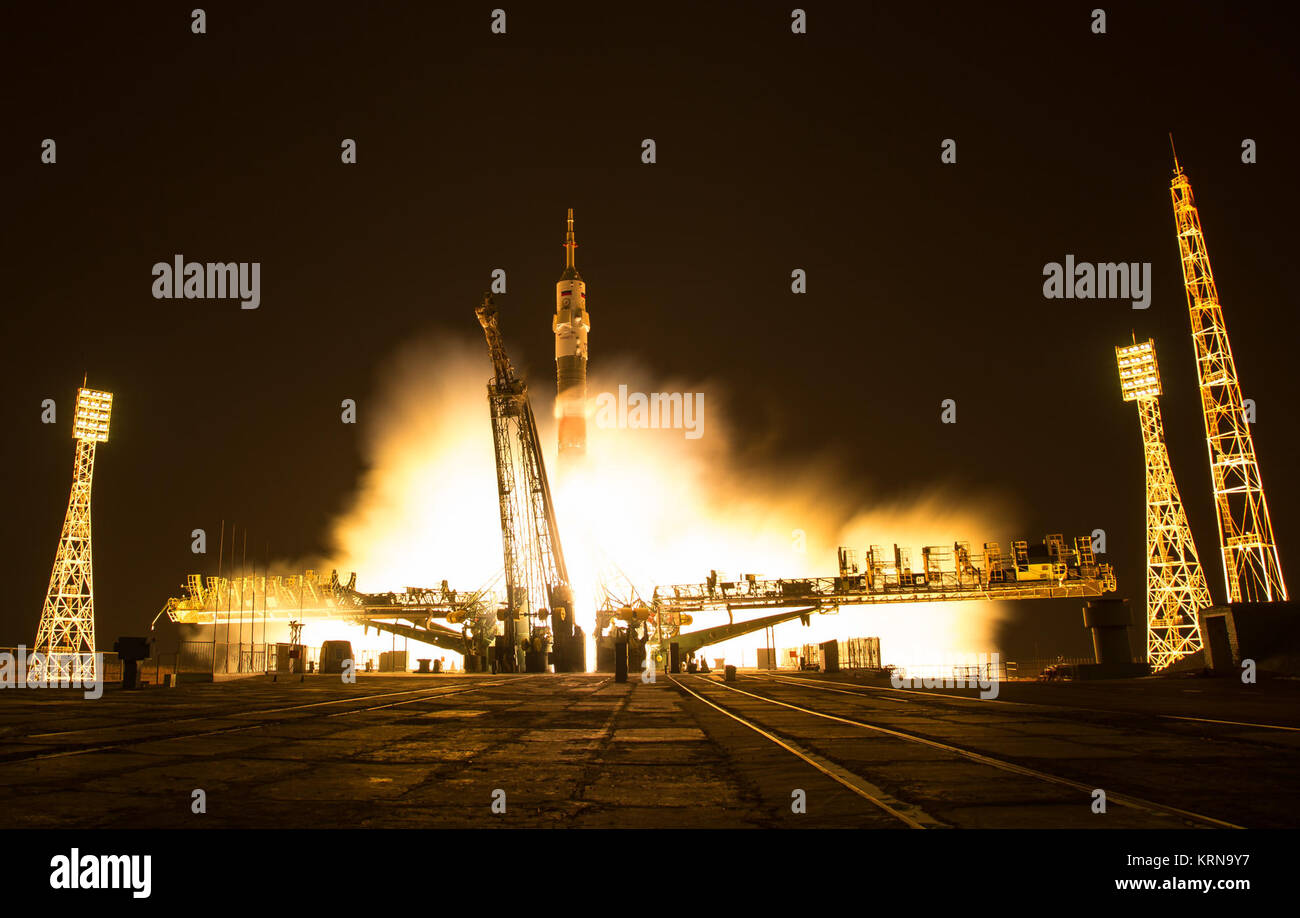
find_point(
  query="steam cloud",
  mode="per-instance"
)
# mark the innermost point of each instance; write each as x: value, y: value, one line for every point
x: 662, y: 508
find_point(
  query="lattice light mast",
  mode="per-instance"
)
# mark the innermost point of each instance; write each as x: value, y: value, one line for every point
x: 1176, y: 586
x: 65, y: 637
x: 1250, y: 562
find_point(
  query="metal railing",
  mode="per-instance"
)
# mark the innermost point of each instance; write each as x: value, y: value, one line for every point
x: 220, y: 657
x: 1032, y: 669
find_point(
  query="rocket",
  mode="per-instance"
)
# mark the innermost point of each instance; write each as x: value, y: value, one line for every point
x: 571, y: 324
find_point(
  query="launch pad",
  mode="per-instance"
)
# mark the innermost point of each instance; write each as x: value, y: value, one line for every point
x: 535, y: 627
x: 464, y: 622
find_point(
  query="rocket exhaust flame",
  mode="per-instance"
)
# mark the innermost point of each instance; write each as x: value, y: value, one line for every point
x: 664, y: 508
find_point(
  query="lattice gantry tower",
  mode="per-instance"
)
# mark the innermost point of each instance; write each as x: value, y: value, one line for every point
x: 1176, y: 586
x: 1250, y: 563
x: 535, y: 571
x: 66, y: 635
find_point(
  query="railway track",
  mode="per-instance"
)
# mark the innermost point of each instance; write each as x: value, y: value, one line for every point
x: 855, y: 688
x: 755, y: 711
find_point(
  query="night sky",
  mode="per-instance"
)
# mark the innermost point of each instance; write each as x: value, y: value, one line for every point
x: 775, y: 151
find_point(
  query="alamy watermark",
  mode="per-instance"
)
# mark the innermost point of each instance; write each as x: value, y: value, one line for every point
x: 75, y: 870
x: 34, y: 670
x: 658, y: 410
x: 196, y: 280
x: 985, y: 674
x: 1109, y: 280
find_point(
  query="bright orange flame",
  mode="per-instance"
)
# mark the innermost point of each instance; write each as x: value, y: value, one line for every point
x: 663, y: 508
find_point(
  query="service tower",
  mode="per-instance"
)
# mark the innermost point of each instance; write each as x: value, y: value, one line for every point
x: 1250, y: 560
x: 571, y: 325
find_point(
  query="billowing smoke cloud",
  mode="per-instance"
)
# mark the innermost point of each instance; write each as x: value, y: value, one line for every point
x: 655, y: 505
x: 426, y: 508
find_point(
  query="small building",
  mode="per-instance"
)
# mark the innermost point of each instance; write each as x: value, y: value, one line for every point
x: 1265, y: 632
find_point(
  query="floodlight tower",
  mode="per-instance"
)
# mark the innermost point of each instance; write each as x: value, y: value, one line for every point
x: 66, y: 634
x: 1176, y: 586
x: 1250, y: 562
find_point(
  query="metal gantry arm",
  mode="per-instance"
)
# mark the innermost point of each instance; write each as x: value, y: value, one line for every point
x: 284, y: 598
x: 1061, y: 572
x: 537, y: 579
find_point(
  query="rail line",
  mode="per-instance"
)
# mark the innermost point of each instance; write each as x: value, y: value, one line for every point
x: 911, y: 816
x: 943, y: 697
x: 897, y: 808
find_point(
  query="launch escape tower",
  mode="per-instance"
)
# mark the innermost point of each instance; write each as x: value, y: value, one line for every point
x: 1251, y: 568
x: 1176, y: 587
x: 535, y: 573
x: 571, y: 325
x: 66, y: 635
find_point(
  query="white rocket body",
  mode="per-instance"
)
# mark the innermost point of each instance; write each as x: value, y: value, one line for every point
x: 571, y: 325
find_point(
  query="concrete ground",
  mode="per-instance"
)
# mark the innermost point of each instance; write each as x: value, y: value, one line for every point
x: 688, y: 751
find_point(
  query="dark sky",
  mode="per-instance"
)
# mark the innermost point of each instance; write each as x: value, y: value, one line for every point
x: 775, y: 151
